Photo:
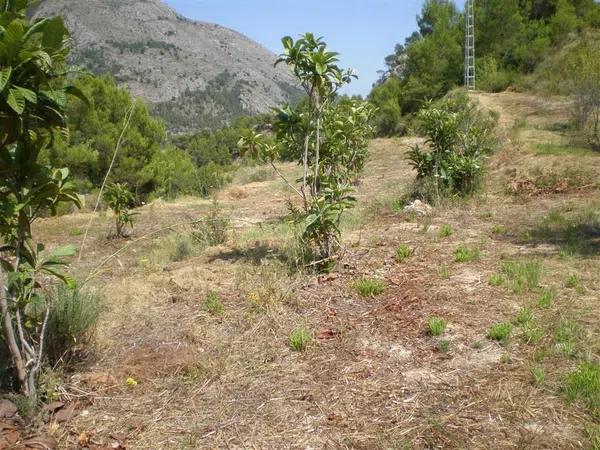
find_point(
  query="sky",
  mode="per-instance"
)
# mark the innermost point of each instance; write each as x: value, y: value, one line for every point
x: 364, y: 32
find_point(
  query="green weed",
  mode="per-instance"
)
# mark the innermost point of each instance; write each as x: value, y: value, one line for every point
x: 445, y: 231
x: 443, y: 346
x: 567, y: 336
x: 299, y: 339
x: 436, y: 326
x: 538, y: 376
x: 524, y: 275
x: 545, y: 299
x: 369, y: 287
x: 525, y: 317
x: 403, y: 252
x: 212, y: 304
x: 496, y: 280
x: 500, y: 332
x: 584, y: 384
x: 444, y: 272
x: 499, y: 230
x: 572, y: 281
x: 466, y: 254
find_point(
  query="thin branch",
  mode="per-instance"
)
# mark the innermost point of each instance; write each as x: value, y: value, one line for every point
x: 96, y: 270
x: 112, y: 163
x: 285, y: 179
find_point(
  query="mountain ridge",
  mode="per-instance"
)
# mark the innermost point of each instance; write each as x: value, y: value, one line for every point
x: 194, y: 74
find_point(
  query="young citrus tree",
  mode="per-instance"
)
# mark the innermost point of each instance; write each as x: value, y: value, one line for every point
x: 119, y: 199
x: 33, y: 91
x: 328, y: 138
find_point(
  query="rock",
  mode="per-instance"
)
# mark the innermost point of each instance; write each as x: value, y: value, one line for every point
x: 7, y: 409
x: 419, y: 208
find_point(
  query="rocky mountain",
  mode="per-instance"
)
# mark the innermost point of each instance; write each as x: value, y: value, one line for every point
x: 194, y: 74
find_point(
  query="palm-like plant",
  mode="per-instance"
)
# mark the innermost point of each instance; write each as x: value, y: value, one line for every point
x: 33, y: 90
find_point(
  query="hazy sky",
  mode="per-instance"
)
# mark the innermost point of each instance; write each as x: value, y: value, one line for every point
x: 363, y: 31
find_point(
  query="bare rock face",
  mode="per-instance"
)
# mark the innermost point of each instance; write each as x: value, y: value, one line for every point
x: 194, y: 74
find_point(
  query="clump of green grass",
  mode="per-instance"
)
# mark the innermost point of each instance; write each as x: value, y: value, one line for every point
x: 538, y: 376
x: 500, y: 332
x: 300, y: 338
x: 477, y: 345
x: 499, y: 230
x: 466, y: 254
x: 572, y: 281
x: 567, y: 336
x: 525, y: 317
x: 562, y: 150
x: 445, y: 231
x: 369, y: 287
x: 212, y: 304
x: 403, y: 252
x: 436, y: 326
x: 496, y: 280
x: 443, y: 346
x: 524, y: 275
x: 584, y: 384
x: 545, y: 299
x: 444, y: 272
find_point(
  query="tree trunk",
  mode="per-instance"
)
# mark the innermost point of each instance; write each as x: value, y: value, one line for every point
x: 10, y: 337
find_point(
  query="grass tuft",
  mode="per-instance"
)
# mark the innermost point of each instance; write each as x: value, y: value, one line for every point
x: 299, y: 339
x: 524, y: 275
x: 545, y: 299
x: 538, y: 376
x: 212, y: 304
x: 466, y: 254
x: 369, y: 287
x: 445, y: 231
x: 403, y: 252
x: 496, y: 280
x: 584, y: 384
x: 525, y: 317
x: 443, y: 346
x: 436, y: 326
x: 500, y: 332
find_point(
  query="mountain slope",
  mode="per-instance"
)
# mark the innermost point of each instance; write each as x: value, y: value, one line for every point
x: 195, y: 74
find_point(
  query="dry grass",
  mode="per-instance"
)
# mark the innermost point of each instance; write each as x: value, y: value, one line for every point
x: 372, y: 377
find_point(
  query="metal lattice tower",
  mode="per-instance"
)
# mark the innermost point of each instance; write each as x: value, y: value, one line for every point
x: 470, y: 45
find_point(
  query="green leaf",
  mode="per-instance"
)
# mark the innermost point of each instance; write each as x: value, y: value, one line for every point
x: 16, y: 101
x: 68, y: 280
x: 27, y: 94
x: 4, y: 77
x: 64, y: 251
x: 78, y: 93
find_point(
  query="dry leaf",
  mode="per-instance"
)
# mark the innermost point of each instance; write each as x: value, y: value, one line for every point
x: 40, y: 443
x: 65, y: 413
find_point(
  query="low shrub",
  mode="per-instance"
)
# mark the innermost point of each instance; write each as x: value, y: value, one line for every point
x: 73, y: 316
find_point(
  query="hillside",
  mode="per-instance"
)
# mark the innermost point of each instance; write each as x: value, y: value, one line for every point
x: 195, y: 74
x: 372, y: 377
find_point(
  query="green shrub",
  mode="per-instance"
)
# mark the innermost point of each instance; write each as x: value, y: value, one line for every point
x: 500, y: 332
x: 524, y: 275
x: 584, y: 384
x: 403, y: 252
x: 183, y: 248
x: 212, y: 304
x: 436, y: 326
x: 211, y: 178
x: 459, y: 138
x: 72, y: 320
x: 445, y: 231
x: 369, y: 287
x: 120, y: 199
x: 466, y: 254
x: 212, y: 230
x: 299, y: 339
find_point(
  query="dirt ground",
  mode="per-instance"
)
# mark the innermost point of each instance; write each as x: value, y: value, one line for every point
x: 372, y: 377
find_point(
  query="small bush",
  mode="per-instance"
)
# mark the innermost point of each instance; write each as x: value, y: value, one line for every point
x: 584, y: 384
x: 183, y: 248
x: 212, y: 304
x: 524, y: 275
x: 212, y: 230
x: 299, y: 339
x: 403, y: 252
x: 72, y: 319
x: 211, y: 178
x: 500, y: 332
x: 436, y: 326
x: 466, y: 254
x: 445, y: 231
x: 369, y: 287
